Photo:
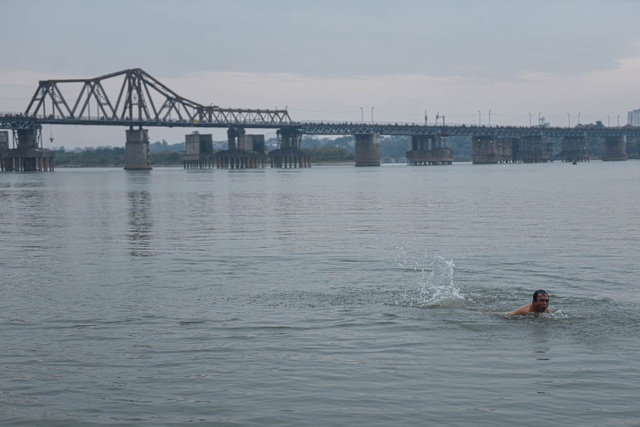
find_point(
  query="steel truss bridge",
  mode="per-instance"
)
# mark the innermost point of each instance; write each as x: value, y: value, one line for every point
x: 134, y: 98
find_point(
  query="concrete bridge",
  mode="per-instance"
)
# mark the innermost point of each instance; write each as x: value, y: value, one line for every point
x: 143, y: 102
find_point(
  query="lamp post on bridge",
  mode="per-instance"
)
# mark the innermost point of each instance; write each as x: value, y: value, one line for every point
x: 361, y: 115
x: 479, y: 118
x: 372, y: 114
x: 529, y: 119
x: 569, y: 119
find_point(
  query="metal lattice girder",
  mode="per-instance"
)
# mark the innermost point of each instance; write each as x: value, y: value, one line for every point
x: 18, y: 122
x: 141, y: 99
x: 352, y: 128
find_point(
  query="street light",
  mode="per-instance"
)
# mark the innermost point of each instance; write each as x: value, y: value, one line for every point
x: 529, y: 119
x: 372, y: 114
x: 362, y: 114
x: 479, y: 118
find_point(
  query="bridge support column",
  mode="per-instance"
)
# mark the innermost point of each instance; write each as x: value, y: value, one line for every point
x: 574, y: 149
x: 136, y: 150
x: 27, y: 156
x: 289, y: 155
x: 235, y: 138
x: 615, y: 148
x: 487, y: 149
x: 421, y: 150
x: 532, y: 149
x: 198, y: 151
x: 483, y: 149
x: 429, y: 150
x: 367, y: 150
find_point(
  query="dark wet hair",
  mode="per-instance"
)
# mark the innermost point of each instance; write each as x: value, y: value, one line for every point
x: 539, y: 291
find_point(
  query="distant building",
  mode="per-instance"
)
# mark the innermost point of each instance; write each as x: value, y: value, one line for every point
x: 633, y: 118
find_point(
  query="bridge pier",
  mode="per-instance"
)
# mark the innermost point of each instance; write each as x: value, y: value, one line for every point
x: 483, y: 149
x: 4, y: 146
x: 488, y: 149
x: 367, y: 149
x: 429, y: 150
x: 574, y: 149
x: 235, y: 138
x: 532, y: 149
x: 198, y: 151
x: 615, y: 148
x: 244, y: 151
x: 27, y: 157
x: 136, y: 150
x: 289, y: 155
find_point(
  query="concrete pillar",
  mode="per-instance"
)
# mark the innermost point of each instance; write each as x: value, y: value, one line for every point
x: 4, y: 146
x: 532, y: 149
x: 367, y: 150
x: 420, y: 142
x: 504, y: 149
x: 4, y: 140
x: 235, y: 138
x: 574, y: 149
x: 615, y: 148
x: 27, y: 139
x: 136, y: 150
x: 483, y: 149
x: 198, y: 144
x: 420, y: 153
x: 290, y: 138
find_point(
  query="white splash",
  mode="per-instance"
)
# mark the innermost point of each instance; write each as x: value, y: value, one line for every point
x: 436, y: 287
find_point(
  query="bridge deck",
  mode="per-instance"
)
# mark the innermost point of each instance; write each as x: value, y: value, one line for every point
x: 17, y: 121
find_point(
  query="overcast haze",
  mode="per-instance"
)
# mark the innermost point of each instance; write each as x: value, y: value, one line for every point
x: 336, y: 60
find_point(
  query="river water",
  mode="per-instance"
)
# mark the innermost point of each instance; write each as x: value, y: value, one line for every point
x: 333, y: 295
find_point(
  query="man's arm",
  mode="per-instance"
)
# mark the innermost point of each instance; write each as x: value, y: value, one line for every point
x: 522, y: 311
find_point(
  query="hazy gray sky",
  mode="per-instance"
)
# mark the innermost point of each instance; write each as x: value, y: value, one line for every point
x: 335, y: 60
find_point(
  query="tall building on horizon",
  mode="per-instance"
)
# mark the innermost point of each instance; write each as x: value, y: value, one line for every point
x: 633, y: 118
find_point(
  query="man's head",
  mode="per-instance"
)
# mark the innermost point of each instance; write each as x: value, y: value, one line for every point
x: 540, y: 300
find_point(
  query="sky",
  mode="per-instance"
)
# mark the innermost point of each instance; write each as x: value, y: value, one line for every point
x: 509, y: 62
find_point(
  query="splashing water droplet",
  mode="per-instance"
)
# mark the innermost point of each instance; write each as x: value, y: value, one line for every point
x: 436, y: 285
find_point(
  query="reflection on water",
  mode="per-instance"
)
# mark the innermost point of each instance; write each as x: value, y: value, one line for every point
x: 355, y: 297
x: 140, y: 215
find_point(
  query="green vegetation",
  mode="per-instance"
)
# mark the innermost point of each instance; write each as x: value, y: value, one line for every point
x: 111, y: 157
x: 330, y: 154
x: 98, y: 157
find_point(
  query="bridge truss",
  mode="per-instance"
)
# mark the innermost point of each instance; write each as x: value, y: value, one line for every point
x: 134, y: 97
x: 352, y: 128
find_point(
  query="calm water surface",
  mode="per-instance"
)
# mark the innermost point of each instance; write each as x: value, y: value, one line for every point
x: 328, y: 296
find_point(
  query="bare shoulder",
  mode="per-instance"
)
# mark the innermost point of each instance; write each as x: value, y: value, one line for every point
x: 522, y: 311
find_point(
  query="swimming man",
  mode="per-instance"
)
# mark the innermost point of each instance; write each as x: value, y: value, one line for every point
x: 539, y: 305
